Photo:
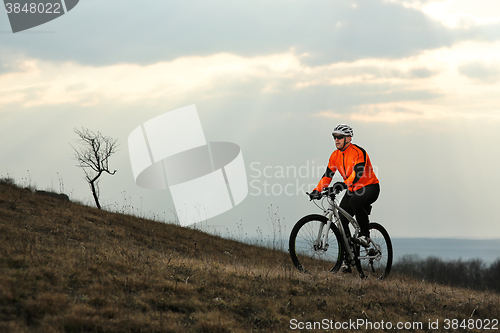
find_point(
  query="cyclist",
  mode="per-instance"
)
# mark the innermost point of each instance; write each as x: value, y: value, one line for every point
x: 361, y: 183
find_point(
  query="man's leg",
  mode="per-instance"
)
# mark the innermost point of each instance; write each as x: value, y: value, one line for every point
x: 344, y: 204
x: 359, y: 201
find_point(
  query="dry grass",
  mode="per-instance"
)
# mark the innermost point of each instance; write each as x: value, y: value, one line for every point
x: 65, y: 267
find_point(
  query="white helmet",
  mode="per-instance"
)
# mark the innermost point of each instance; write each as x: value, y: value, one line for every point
x: 343, y: 129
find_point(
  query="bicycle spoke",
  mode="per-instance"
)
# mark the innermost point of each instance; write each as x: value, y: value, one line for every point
x: 307, y: 252
x: 376, y: 260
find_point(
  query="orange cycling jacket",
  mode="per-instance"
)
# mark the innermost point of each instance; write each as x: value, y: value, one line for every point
x: 354, y: 166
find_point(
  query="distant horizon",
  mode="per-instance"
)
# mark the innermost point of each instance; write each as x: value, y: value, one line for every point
x: 488, y: 250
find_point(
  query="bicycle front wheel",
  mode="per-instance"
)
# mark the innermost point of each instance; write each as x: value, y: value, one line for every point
x: 376, y: 260
x: 306, y: 249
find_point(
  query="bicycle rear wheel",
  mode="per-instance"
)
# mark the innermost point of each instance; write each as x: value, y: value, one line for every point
x: 376, y: 260
x: 305, y: 250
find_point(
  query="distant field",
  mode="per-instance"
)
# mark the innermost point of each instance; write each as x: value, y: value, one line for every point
x: 448, y: 248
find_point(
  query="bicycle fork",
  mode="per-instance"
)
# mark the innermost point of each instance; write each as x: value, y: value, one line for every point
x: 321, y: 242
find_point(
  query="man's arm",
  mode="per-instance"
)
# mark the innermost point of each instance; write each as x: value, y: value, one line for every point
x: 325, y: 180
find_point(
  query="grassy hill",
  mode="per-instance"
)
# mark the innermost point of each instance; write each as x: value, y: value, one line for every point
x: 66, y: 267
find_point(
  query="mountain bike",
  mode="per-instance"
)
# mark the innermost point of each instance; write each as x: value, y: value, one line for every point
x: 319, y: 243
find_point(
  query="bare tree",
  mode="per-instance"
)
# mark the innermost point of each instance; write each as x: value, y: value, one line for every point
x: 93, y: 157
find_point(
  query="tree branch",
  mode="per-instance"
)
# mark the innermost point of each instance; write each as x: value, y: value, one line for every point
x: 93, y: 157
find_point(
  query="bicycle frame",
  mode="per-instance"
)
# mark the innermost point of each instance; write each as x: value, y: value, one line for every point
x: 333, y: 210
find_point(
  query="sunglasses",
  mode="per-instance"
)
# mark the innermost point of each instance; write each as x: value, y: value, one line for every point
x: 338, y: 137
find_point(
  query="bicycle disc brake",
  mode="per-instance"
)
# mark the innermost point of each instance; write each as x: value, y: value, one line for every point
x: 318, y: 247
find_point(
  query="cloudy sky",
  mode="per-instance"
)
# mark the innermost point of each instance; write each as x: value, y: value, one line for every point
x: 419, y: 81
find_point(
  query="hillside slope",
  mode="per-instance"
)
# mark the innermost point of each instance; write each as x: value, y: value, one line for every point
x: 65, y: 267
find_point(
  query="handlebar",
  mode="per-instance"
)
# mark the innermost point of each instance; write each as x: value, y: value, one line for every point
x: 328, y: 191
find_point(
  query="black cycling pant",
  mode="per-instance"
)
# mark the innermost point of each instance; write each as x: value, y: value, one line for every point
x: 356, y: 204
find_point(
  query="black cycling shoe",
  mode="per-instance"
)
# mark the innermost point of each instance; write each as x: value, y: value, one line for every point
x: 362, y: 240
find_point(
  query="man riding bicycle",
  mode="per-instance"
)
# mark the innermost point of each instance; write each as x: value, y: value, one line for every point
x: 361, y: 183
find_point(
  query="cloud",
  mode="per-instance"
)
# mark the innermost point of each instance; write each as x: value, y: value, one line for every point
x: 5, y: 67
x: 380, y: 113
x: 427, y: 86
x: 422, y: 73
x: 102, y: 33
x: 457, y: 14
x: 10, y: 62
x: 275, y: 80
x: 480, y: 71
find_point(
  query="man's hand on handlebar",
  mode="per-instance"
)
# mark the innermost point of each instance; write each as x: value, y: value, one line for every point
x: 315, y: 195
x: 339, y: 187
x: 336, y: 189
